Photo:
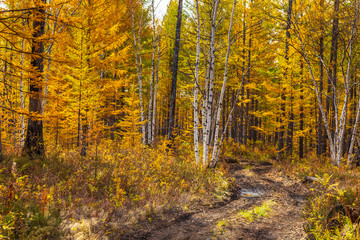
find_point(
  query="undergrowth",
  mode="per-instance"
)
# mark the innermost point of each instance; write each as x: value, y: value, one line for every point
x: 333, y: 209
x: 46, y: 198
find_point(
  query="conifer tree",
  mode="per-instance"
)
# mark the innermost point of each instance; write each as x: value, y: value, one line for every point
x: 34, y: 142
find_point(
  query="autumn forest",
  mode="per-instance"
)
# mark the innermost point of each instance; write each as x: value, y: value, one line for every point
x: 112, y: 116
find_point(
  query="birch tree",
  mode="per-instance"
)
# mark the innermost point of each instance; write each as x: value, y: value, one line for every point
x: 339, y: 98
x: 156, y: 88
x: 218, y: 110
x: 209, y: 85
x: 152, y: 95
x: 196, y: 85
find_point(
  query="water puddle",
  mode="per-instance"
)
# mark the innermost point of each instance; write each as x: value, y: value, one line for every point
x: 250, y: 193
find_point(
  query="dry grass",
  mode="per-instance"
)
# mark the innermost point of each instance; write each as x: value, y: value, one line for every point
x: 108, y: 190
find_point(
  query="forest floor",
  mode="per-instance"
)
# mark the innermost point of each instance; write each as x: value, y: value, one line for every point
x: 256, y: 184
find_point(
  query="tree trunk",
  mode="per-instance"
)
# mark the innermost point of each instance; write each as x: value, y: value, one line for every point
x: 137, y: 53
x: 150, y: 107
x: 174, y: 72
x: 333, y: 71
x: 321, y: 143
x: 218, y: 111
x: 196, y: 87
x: 281, y: 134
x: 242, y: 111
x: 34, y: 142
x: 301, y: 140
x: 330, y: 104
x: 155, y: 88
x: 247, y: 128
x: 21, y: 87
x: 210, y: 90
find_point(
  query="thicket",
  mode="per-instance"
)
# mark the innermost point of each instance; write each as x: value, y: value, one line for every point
x: 45, y: 197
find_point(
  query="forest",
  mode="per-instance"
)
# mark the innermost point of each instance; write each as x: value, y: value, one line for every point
x: 221, y: 119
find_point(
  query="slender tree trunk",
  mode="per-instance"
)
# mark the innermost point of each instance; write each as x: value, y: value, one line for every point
x: 330, y: 104
x: 354, y: 34
x: 333, y: 72
x: 156, y: 87
x: 336, y: 138
x: 34, y: 142
x: 12, y: 103
x: 218, y: 110
x: 151, y: 100
x: 242, y: 111
x: 2, y: 110
x: 353, y: 134
x: 21, y: 88
x: 301, y: 140
x: 321, y: 144
x: 230, y: 99
x: 196, y: 86
x: 256, y: 121
x: 112, y: 117
x: 283, y: 97
x: 247, y: 129
x: 79, y: 125
x: 22, y: 99
x: 175, y: 72
x: 209, y: 105
x: 137, y: 53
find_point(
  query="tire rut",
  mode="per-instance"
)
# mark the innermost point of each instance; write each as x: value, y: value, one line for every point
x: 283, y: 222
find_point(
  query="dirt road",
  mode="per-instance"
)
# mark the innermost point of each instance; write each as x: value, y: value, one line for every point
x: 256, y: 183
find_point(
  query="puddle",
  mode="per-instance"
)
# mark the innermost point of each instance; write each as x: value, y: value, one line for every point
x: 250, y: 193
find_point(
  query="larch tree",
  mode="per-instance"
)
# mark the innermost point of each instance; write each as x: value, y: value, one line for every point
x: 34, y: 141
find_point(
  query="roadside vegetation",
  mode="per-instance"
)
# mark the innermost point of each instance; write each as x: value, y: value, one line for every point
x: 65, y: 194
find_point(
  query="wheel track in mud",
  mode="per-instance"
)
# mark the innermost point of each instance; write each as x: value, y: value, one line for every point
x: 284, y: 222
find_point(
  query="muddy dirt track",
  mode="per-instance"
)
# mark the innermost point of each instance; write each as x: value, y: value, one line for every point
x: 256, y: 183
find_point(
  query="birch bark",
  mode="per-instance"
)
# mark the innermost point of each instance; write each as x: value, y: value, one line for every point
x: 155, y: 90
x: 209, y: 103
x: 150, y: 107
x: 336, y: 138
x: 138, y: 61
x: 196, y: 85
x: 218, y: 114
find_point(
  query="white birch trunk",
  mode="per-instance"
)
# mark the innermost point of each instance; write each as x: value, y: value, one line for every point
x: 218, y: 114
x: 325, y: 119
x: 353, y: 134
x: 150, y: 107
x: 155, y: 89
x: 231, y: 111
x: 204, y: 117
x: 336, y: 141
x: 353, y: 36
x: 139, y: 74
x: 207, y: 133
x: 196, y: 85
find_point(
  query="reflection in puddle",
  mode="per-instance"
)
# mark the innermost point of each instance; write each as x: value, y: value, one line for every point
x: 250, y: 193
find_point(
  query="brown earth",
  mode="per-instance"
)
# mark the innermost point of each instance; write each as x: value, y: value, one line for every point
x: 255, y: 183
